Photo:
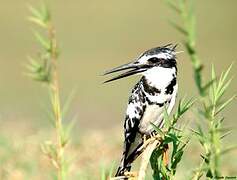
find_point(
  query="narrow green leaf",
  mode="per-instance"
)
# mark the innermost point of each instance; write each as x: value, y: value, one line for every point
x: 222, y: 129
x: 37, y: 22
x: 45, y: 13
x: 220, y: 82
x: 227, y: 73
x: 164, y: 171
x: 221, y: 120
x: 154, y: 161
x: 195, y: 132
x: 158, y: 130
x: 227, y: 150
x: 43, y: 78
x: 45, y: 43
x: 178, y: 28
x: 49, y: 114
x: 184, y: 145
x: 168, y: 140
x: 184, y: 106
x: 167, y: 120
x: 33, y: 63
x: 192, y: 26
x: 222, y: 90
x: 173, y: 6
x: 208, y: 84
x: 226, y: 134
x: 71, y: 125
x: 201, y: 136
x: 35, y: 12
x: 67, y: 103
x: 173, y: 137
x: 103, y: 174
x: 213, y: 76
x: 32, y: 68
x: 177, y: 159
x: 225, y: 104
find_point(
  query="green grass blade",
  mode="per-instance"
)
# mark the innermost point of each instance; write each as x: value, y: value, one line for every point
x: 225, y: 104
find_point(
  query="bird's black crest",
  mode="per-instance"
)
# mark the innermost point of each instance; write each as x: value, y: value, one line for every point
x: 156, y: 50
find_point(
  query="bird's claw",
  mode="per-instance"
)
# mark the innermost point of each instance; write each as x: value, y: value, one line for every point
x: 131, y: 174
x: 152, y: 137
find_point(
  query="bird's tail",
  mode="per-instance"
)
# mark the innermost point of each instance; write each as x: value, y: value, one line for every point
x: 123, y: 167
x: 126, y: 161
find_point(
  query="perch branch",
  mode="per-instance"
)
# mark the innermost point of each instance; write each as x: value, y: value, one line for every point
x: 149, y: 146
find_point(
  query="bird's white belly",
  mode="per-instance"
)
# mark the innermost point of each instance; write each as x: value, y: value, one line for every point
x: 154, y: 114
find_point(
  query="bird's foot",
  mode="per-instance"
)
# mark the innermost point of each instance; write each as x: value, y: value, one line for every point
x: 155, y: 136
x: 131, y: 175
x: 152, y: 137
x: 127, y: 176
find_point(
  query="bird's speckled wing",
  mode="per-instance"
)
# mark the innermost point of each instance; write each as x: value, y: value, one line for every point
x: 135, y: 109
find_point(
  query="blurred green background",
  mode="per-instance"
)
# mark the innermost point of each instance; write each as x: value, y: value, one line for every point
x: 95, y: 36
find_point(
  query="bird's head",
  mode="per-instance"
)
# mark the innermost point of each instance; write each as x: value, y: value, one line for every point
x: 164, y: 56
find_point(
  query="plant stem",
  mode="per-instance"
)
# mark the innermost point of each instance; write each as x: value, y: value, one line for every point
x: 45, y: 70
x: 54, y: 88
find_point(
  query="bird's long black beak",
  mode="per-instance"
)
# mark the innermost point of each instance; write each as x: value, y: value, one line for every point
x: 134, y: 69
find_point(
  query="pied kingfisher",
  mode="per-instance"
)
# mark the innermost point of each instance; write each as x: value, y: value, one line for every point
x: 156, y: 88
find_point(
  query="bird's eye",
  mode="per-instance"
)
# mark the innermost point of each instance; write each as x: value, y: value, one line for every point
x: 153, y: 60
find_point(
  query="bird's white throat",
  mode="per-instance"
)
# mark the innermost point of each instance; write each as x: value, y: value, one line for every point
x: 160, y: 77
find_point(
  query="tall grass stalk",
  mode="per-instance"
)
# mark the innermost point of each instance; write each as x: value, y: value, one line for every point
x: 44, y: 68
x: 211, y: 100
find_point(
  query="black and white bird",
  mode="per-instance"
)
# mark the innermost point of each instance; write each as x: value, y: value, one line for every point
x: 156, y: 88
